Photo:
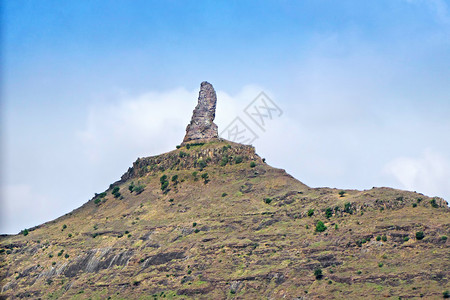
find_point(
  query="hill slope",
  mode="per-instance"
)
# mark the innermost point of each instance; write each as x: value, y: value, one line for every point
x: 245, y: 230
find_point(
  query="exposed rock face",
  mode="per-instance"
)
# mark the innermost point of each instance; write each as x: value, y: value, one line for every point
x: 202, y: 125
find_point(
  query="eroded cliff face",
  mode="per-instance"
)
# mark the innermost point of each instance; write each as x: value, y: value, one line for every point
x: 202, y: 126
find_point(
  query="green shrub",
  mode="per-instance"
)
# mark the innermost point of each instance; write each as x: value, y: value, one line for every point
x: 380, y: 265
x: 342, y: 193
x: 224, y: 160
x: 328, y: 213
x: 310, y: 212
x: 60, y: 252
x: 64, y: 226
x: 336, y: 227
x: 224, y: 194
x: 175, y: 178
x: 434, y: 203
x: 102, y: 195
x: 238, y: 159
x: 97, y: 200
x: 406, y: 238
x: 414, y: 205
x: 170, y: 200
x: 446, y: 294
x: 69, y: 235
x: 66, y: 256
x: 178, y: 146
x: 164, y: 185
x: 378, y: 238
x: 205, y: 178
x: 320, y: 226
x: 348, y: 208
x: 252, y: 164
x: 201, y: 164
x: 131, y: 187
x: 444, y: 238
x: 139, y: 189
x: 182, y: 154
x: 25, y: 232
x: 267, y: 200
x: 163, y: 178
x: 196, y: 230
x: 318, y: 273
x: 420, y: 235
x: 384, y: 238
x: 115, y: 190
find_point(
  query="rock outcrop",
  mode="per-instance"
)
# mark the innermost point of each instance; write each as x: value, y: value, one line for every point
x: 202, y: 125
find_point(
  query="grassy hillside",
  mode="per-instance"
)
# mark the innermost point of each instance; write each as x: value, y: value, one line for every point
x: 244, y: 230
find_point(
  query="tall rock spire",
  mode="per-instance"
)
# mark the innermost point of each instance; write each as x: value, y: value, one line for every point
x: 202, y: 125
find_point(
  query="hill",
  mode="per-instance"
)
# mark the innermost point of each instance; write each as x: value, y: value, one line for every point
x: 245, y: 230
x: 212, y: 220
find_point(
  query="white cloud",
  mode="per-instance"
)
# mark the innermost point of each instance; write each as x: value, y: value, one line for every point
x: 428, y: 174
x: 22, y: 201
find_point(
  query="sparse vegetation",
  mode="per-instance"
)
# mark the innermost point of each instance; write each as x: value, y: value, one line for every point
x: 267, y: 200
x: 164, y: 183
x: 224, y: 194
x: 320, y: 226
x: 310, y: 212
x: 252, y: 164
x: 318, y: 274
x: 201, y: 164
x: 434, y: 203
x: 342, y: 193
x: 348, y: 208
x: 238, y: 159
x: 139, y: 189
x: 420, y: 235
x: 25, y: 232
x: 205, y: 178
x: 115, y: 192
x: 225, y: 160
x: 328, y: 212
x: 384, y: 238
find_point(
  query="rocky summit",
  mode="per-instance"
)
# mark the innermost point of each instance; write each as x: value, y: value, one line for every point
x: 202, y: 126
x: 212, y: 220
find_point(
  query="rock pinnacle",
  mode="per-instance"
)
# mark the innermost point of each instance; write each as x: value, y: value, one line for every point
x: 202, y: 125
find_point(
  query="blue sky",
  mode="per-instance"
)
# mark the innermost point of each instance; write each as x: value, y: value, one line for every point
x: 88, y: 86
